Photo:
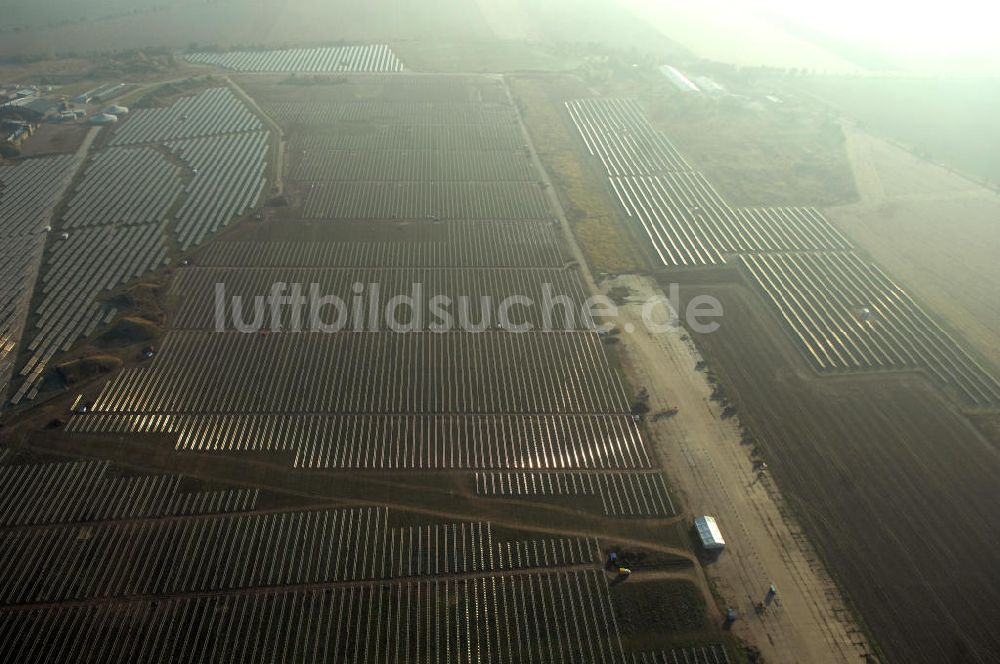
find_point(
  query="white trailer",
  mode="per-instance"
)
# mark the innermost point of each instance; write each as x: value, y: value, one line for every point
x: 709, y: 533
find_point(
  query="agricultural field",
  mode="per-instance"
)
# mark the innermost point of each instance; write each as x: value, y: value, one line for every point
x: 950, y: 120
x: 235, y: 24
x: 919, y: 565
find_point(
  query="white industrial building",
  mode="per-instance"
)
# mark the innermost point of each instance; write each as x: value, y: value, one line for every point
x: 709, y: 86
x: 103, y: 119
x: 680, y: 81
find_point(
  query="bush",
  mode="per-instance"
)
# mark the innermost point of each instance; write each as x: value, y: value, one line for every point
x: 9, y: 150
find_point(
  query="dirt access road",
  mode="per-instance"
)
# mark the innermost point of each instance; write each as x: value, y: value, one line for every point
x: 713, y: 473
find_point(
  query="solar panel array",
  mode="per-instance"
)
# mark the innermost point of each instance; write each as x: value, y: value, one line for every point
x: 125, y: 186
x: 688, y: 223
x: 29, y: 193
x: 208, y: 113
x: 843, y: 313
x: 343, y: 59
x: 187, y: 169
x: 77, y: 270
x: 81, y: 491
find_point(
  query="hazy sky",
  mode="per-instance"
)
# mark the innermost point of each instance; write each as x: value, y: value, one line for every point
x: 920, y: 29
x: 958, y: 35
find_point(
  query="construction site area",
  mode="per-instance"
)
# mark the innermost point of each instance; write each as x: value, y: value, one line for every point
x: 197, y: 467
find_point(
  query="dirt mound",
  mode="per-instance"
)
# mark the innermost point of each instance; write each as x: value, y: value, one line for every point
x: 85, y: 368
x: 168, y: 93
x: 144, y: 296
x: 130, y: 330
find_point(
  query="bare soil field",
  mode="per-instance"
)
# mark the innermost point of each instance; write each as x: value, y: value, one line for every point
x: 54, y: 139
x: 892, y: 485
x: 950, y: 119
x: 64, y: 68
x: 756, y: 153
x: 934, y: 232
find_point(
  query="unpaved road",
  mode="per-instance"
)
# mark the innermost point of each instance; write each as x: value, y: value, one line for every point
x: 276, y: 132
x: 708, y: 466
x: 702, y: 456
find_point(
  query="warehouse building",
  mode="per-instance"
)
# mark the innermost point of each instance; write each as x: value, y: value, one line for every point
x: 680, y: 81
x: 103, y: 119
